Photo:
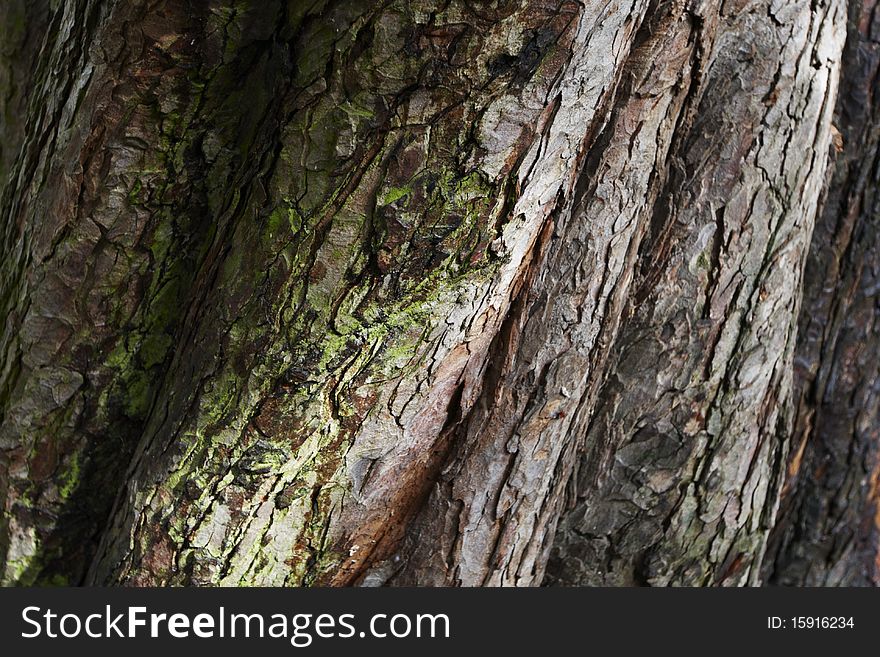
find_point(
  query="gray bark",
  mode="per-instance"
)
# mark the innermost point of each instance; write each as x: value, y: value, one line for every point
x: 828, y: 533
x: 412, y: 292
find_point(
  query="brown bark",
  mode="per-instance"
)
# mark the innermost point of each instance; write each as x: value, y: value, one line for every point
x: 431, y: 292
x: 131, y: 155
x: 828, y: 533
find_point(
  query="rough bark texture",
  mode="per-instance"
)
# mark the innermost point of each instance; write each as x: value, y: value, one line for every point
x: 678, y: 484
x: 829, y: 529
x: 438, y: 292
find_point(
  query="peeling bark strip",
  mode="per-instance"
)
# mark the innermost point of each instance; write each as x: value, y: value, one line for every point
x: 426, y: 292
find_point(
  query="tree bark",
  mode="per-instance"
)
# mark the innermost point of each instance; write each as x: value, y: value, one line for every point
x: 679, y: 480
x: 438, y: 292
x: 828, y: 533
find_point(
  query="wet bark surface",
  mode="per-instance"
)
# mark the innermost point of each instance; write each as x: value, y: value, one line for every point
x: 437, y: 292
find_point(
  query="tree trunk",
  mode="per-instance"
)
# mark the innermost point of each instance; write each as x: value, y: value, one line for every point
x: 828, y: 532
x: 438, y: 292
